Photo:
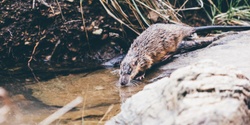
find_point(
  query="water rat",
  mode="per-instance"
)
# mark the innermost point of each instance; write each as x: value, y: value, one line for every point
x: 155, y: 44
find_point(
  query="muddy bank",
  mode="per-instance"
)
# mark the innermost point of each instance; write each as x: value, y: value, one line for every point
x: 55, y: 41
x: 57, y: 35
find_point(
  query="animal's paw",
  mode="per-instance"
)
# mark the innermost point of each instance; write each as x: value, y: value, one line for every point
x: 166, y: 57
x: 140, y: 77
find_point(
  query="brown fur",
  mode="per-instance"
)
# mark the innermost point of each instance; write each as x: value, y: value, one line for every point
x: 151, y: 47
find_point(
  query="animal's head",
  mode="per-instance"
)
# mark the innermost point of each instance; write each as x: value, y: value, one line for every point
x: 128, y: 70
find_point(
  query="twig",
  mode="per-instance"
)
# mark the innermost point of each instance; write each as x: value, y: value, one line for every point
x: 106, y: 113
x: 42, y: 2
x: 212, y: 3
x: 84, y: 22
x: 120, y: 21
x: 168, y: 11
x: 118, y: 8
x: 61, y: 111
x: 192, y: 8
x: 58, y: 42
x: 10, y: 32
x: 60, y: 9
x: 71, y: 21
x: 158, y: 12
x: 33, y: 4
x: 139, y: 12
x: 168, y: 6
x: 31, y: 57
x: 135, y: 13
x: 84, y: 103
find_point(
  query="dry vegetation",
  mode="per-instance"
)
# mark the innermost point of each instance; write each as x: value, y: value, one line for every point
x: 146, y: 12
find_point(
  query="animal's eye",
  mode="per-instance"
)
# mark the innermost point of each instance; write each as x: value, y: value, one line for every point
x: 129, y: 71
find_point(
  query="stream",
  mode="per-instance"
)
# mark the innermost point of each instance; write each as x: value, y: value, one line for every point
x: 34, y: 101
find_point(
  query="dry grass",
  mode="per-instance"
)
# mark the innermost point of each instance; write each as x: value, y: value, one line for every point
x: 139, y: 14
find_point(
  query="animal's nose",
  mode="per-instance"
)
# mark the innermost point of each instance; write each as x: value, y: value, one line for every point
x: 123, y: 83
x: 124, y: 80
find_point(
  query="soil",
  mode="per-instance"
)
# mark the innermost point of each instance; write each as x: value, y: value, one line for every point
x: 49, y: 35
x: 59, y: 35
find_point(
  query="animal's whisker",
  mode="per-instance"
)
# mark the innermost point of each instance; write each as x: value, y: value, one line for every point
x: 135, y: 84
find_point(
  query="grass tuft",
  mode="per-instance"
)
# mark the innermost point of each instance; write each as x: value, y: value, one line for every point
x: 237, y: 12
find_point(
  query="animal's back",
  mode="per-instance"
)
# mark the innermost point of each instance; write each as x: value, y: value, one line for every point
x: 159, y: 40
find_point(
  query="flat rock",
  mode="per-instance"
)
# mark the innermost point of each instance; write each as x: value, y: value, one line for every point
x: 229, y: 50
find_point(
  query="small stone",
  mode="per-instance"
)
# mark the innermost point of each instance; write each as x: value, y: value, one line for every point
x: 97, y: 32
x: 99, y: 88
x: 27, y: 43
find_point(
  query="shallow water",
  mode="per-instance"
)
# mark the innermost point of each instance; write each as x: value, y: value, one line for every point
x: 36, y: 101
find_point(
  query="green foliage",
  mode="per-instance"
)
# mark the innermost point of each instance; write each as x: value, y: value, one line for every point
x: 233, y: 12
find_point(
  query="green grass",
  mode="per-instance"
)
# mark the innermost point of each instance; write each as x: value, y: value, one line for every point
x: 237, y: 12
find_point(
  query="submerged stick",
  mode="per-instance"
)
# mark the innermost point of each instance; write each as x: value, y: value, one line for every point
x: 61, y: 111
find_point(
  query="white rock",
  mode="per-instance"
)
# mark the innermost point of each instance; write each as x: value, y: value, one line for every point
x: 202, y: 93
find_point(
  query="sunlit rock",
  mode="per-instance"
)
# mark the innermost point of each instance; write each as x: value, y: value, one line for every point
x: 203, y: 93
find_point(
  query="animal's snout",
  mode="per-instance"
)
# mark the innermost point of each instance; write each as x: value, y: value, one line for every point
x: 124, y: 80
x: 123, y: 83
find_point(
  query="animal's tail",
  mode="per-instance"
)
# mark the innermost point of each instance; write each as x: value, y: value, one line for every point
x: 220, y: 27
